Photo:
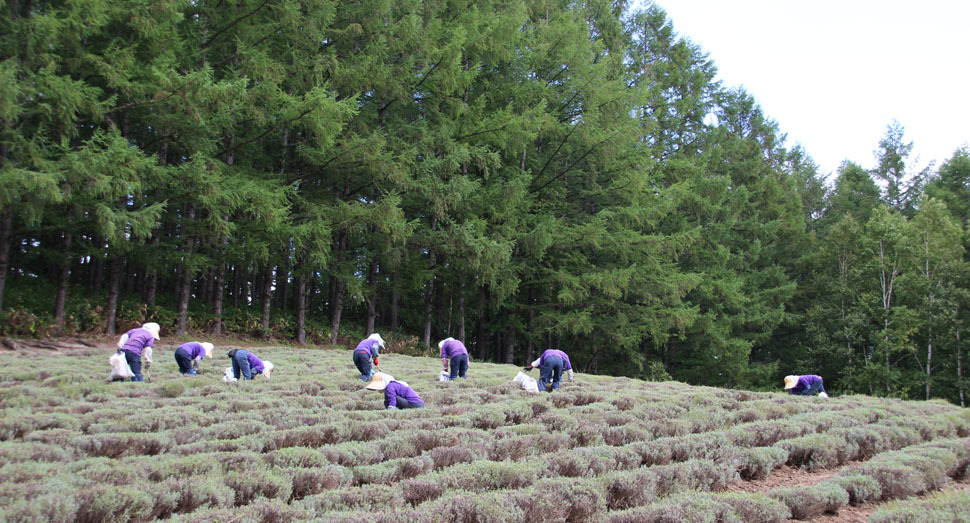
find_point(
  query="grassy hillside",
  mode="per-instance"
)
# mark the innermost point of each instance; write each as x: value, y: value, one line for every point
x: 311, y: 443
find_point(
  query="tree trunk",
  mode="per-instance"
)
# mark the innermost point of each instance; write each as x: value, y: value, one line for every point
x: 481, y: 338
x: 6, y: 226
x: 283, y: 279
x: 301, y: 309
x: 429, y: 301
x: 267, y: 299
x: 509, y: 344
x: 151, y: 283
x: 395, y: 299
x: 461, y: 308
x: 63, y: 278
x: 929, y: 360
x: 186, y: 279
x: 959, y: 350
x: 219, y: 284
x: 337, y: 288
x: 114, y: 282
x: 372, y: 299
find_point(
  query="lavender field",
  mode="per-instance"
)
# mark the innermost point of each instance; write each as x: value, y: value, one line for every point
x: 312, y: 444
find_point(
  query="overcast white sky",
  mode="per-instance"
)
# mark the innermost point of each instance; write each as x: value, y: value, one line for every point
x: 834, y: 73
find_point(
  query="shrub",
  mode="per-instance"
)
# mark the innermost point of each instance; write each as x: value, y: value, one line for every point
x: 946, y: 506
x: 418, y: 491
x: 307, y: 482
x: 861, y: 489
x: 817, y: 451
x: 809, y: 501
x: 491, y: 507
x: 172, y: 389
x: 629, y: 488
x: 758, y: 462
x: 98, y: 503
x: 698, y: 474
x: 380, y: 498
x: 563, y: 500
x: 448, y: 456
x: 484, y: 475
x: 254, y: 482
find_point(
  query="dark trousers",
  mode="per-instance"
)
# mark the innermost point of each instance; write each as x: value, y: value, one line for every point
x: 405, y: 404
x: 134, y: 361
x: 813, y: 389
x: 551, y: 372
x: 184, y: 361
x: 362, y: 361
x: 240, y: 365
x: 459, y: 365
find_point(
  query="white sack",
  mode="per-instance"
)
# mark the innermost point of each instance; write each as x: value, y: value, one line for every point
x: 119, y: 367
x: 529, y: 384
x: 444, y: 376
x: 229, y: 377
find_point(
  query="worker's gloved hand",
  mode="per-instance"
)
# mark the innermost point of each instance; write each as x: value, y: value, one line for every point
x: 391, y: 407
x: 527, y: 368
x: 375, y: 361
x: 570, y: 372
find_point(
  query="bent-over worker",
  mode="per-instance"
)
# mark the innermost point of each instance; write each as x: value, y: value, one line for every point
x: 551, y: 364
x: 397, y: 394
x: 807, y: 385
x: 245, y: 364
x: 453, y: 352
x: 188, y: 355
x: 366, y: 350
x: 133, y: 342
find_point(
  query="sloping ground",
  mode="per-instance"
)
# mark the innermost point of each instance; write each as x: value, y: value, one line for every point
x: 311, y: 444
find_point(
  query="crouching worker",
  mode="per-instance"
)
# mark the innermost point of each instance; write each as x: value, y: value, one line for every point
x: 807, y: 385
x: 367, y: 349
x: 453, y: 352
x: 551, y: 364
x: 188, y: 356
x: 245, y: 365
x: 133, y: 342
x: 397, y: 394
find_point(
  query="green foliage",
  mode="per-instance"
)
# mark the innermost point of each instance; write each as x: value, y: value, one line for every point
x: 809, y: 501
x: 944, y: 506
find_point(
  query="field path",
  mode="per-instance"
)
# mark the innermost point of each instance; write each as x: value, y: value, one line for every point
x: 792, y: 477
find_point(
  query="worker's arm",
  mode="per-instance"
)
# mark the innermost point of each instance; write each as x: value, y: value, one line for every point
x: 444, y: 363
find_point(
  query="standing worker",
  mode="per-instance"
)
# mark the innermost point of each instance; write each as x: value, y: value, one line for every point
x: 367, y: 349
x: 133, y: 342
x: 551, y: 364
x: 246, y: 364
x: 397, y: 394
x: 807, y: 385
x: 455, y: 353
x: 189, y: 355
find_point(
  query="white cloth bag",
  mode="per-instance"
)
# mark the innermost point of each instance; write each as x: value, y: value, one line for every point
x: 119, y: 367
x: 529, y: 384
x: 229, y: 377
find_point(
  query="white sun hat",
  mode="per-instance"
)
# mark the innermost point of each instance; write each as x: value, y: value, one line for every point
x: 152, y: 328
x: 267, y: 368
x: 377, y: 337
x: 790, y: 382
x: 441, y: 343
x: 208, y: 348
x: 379, y: 381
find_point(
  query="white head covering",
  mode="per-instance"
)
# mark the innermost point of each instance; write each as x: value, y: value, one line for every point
x: 379, y: 381
x: 208, y: 348
x: 377, y: 337
x: 790, y: 382
x: 441, y: 343
x: 267, y: 368
x: 152, y: 328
